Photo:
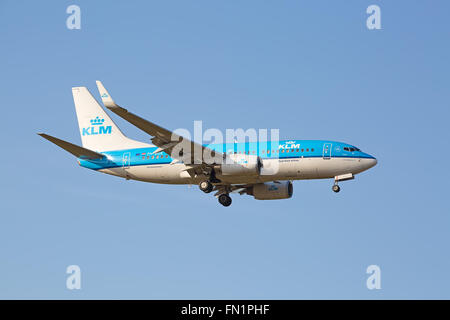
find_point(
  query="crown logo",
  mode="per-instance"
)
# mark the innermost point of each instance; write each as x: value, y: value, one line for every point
x: 104, y: 95
x: 97, y: 121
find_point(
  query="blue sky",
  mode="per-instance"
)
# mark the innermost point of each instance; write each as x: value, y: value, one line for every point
x: 311, y: 69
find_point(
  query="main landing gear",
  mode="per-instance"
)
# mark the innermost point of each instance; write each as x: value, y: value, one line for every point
x: 225, y: 200
x: 206, y: 186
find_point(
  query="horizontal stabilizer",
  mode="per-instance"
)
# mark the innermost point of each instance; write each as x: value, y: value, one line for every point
x: 77, y: 151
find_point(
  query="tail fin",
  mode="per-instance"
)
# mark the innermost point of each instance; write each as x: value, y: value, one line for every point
x: 98, y: 131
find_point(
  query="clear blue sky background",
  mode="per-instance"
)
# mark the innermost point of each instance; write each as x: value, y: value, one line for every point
x: 310, y: 68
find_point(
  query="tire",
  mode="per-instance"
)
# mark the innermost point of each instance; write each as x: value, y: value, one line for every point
x: 206, y: 186
x: 336, y: 188
x: 225, y: 200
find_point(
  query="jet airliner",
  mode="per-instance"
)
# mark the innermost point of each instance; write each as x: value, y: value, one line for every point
x: 243, y: 168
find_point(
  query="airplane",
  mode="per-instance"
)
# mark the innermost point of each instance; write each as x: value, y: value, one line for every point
x: 239, y: 167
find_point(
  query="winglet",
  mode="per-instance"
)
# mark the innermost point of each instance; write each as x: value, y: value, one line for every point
x: 106, y: 98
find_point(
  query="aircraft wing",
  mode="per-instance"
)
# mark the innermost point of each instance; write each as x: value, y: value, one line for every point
x: 164, y: 139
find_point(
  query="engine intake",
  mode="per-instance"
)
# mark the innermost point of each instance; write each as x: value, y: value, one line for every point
x: 271, y: 190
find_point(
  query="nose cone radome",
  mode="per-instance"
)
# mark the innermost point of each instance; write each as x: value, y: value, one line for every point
x: 369, y: 162
x: 372, y: 162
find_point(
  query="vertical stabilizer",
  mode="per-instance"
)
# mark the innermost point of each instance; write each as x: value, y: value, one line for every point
x: 98, y: 131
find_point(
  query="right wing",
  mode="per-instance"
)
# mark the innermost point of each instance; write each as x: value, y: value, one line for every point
x: 164, y: 139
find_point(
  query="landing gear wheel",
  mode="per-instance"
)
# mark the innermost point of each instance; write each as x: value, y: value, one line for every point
x: 336, y: 188
x: 225, y: 200
x: 206, y: 186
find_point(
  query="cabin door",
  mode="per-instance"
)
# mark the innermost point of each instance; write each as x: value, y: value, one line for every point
x: 327, y: 150
x: 126, y: 160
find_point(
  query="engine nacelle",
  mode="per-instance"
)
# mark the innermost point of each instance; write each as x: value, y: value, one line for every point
x: 241, y: 165
x: 272, y: 190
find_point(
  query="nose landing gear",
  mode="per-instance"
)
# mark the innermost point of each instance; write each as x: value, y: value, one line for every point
x: 343, y: 177
x: 336, y: 188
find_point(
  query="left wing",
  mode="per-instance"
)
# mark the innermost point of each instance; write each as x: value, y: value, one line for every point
x: 178, y: 147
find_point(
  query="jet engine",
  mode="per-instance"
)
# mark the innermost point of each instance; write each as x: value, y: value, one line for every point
x: 240, y: 165
x: 271, y: 190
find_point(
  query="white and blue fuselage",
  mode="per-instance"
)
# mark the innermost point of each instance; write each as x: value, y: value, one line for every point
x: 295, y: 160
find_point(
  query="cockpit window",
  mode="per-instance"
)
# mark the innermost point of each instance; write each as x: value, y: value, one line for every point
x: 351, y: 149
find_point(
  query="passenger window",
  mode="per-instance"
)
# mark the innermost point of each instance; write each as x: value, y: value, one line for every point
x: 307, y: 150
x: 312, y: 150
x: 297, y: 150
x: 303, y: 150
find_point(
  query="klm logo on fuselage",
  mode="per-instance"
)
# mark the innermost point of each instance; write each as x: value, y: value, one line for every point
x: 290, y: 145
x: 96, y: 127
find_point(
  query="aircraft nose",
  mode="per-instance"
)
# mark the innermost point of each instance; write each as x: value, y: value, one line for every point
x: 371, y: 162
